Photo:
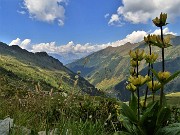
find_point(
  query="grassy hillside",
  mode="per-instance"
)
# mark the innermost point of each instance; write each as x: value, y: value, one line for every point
x: 107, y: 68
x: 22, y: 70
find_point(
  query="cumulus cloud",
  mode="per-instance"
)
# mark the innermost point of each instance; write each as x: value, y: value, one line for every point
x: 115, y: 20
x: 17, y: 41
x: 165, y: 31
x: 140, y: 11
x: 46, y: 10
x: 70, y: 47
x: 134, y: 37
x: 23, y: 44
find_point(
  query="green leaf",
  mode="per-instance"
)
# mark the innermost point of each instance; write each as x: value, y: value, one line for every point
x: 155, y: 73
x: 172, y: 77
x: 126, y: 123
x: 148, y: 119
x: 172, y: 129
x: 149, y: 112
x: 157, y: 44
x: 129, y: 113
x: 164, y: 101
x: 133, y: 103
x: 163, y: 115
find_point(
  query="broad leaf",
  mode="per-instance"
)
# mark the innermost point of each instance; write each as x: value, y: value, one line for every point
x: 172, y: 77
x: 173, y: 129
x: 133, y: 103
x: 163, y: 115
x: 129, y: 113
x: 148, y: 119
x: 155, y: 73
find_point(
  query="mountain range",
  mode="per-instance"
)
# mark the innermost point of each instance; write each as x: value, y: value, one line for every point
x: 108, y: 69
x: 23, y: 70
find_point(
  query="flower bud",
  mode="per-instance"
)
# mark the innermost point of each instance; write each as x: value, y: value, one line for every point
x: 151, y: 58
x: 137, y: 55
x: 138, y: 81
x: 134, y: 63
x: 161, y: 21
x: 163, y: 76
x: 132, y: 71
x: 156, y: 85
x: 131, y: 87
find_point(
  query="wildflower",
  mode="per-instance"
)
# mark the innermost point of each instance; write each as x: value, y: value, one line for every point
x: 156, y: 85
x: 90, y: 116
x: 163, y: 76
x: 132, y: 71
x: 137, y: 55
x: 147, y: 39
x: 131, y: 87
x: 117, y: 107
x: 139, y: 81
x: 134, y: 63
x: 161, y: 21
x: 151, y: 58
x: 157, y: 41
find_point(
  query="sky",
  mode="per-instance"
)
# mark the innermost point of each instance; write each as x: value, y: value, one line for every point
x: 76, y: 28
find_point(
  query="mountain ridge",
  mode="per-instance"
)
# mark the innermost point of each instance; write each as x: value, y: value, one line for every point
x: 38, y: 67
x: 108, y: 67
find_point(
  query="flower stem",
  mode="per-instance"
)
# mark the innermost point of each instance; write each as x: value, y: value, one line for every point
x: 145, y: 99
x: 138, y: 90
x: 153, y: 94
x: 163, y: 65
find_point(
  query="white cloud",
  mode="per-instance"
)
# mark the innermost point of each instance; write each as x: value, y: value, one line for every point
x: 17, y: 41
x: 115, y: 20
x: 46, y: 10
x: 165, y: 32
x: 134, y: 37
x: 140, y: 11
x: 70, y: 47
x: 23, y: 44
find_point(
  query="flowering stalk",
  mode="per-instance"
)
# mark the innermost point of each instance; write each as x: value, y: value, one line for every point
x: 145, y: 99
x: 160, y: 22
x: 163, y: 67
x: 137, y: 73
x: 152, y: 79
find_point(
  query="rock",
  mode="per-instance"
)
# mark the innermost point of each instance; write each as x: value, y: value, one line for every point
x: 5, y: 126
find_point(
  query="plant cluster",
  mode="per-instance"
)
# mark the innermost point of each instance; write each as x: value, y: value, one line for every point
x: 75, y: 114
x: 148, y: 118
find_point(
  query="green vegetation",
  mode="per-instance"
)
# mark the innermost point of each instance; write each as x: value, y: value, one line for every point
x: 68, y: 113
x: 44, y: 97
x: 24, y: 71
x: 149, y: 118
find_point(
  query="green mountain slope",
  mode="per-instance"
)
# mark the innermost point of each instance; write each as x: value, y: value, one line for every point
x: 104, y: 66
x: 21, y: 70
x: 107, y: 68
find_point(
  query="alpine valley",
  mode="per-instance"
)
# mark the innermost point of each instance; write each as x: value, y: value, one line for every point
x: 108, y: 69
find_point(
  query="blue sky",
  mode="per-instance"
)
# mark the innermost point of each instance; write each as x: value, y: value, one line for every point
x: 81, y: 26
